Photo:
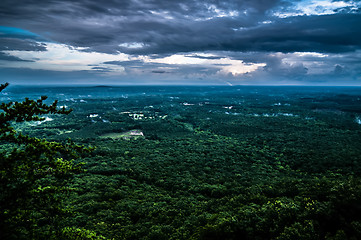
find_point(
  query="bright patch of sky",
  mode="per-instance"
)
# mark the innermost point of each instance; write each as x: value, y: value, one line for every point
x: 310, y: 54
x: 225, y: 65
x: 60, y: 57
x: 214, y: 12
x: 315, y: 7
x: 221, y: 13
x: 163, y: 14
x: 132, y: 45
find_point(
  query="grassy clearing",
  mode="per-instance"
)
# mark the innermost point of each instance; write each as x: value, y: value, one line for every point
x: 132, y: 134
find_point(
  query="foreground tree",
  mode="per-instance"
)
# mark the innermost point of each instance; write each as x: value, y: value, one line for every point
x: 33, y: 174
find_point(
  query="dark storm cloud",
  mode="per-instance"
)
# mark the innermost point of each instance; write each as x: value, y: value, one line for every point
x: 326, y: 33
x: 182, y: 26
x: 163, y: 26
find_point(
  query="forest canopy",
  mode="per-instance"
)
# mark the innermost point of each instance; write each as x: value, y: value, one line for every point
x: 183, y: 163
x: 34, y: 173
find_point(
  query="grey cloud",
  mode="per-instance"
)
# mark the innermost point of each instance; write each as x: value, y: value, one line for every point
x: 138, y: 64
x: 276, y: 68
x: 29, y: 76
x: 205, y: 57
x: 221, y: 64
x: 20, y: 44
x: 6, y: 57
x: 186, y: 26
x: 100, y: 68
x: 102, y: 27
x: 159, y: 71
x: 125, y: 63
x: 340, y: 71
x: 159, y: 68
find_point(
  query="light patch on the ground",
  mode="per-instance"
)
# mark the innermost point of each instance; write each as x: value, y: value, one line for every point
x: 132, y: 134
x: 358, y: 120
x: 273, y: 115
x: 35, y: 123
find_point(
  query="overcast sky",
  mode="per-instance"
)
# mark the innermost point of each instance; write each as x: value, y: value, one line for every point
x: 311, y: 42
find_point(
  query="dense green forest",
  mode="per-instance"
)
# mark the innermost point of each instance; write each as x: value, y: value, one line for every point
x: 206, y: 162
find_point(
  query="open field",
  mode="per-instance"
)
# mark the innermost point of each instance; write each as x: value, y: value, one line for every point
x: 132, y: 134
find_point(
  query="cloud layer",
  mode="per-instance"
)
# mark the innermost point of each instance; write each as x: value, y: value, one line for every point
x: 249, y: 41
